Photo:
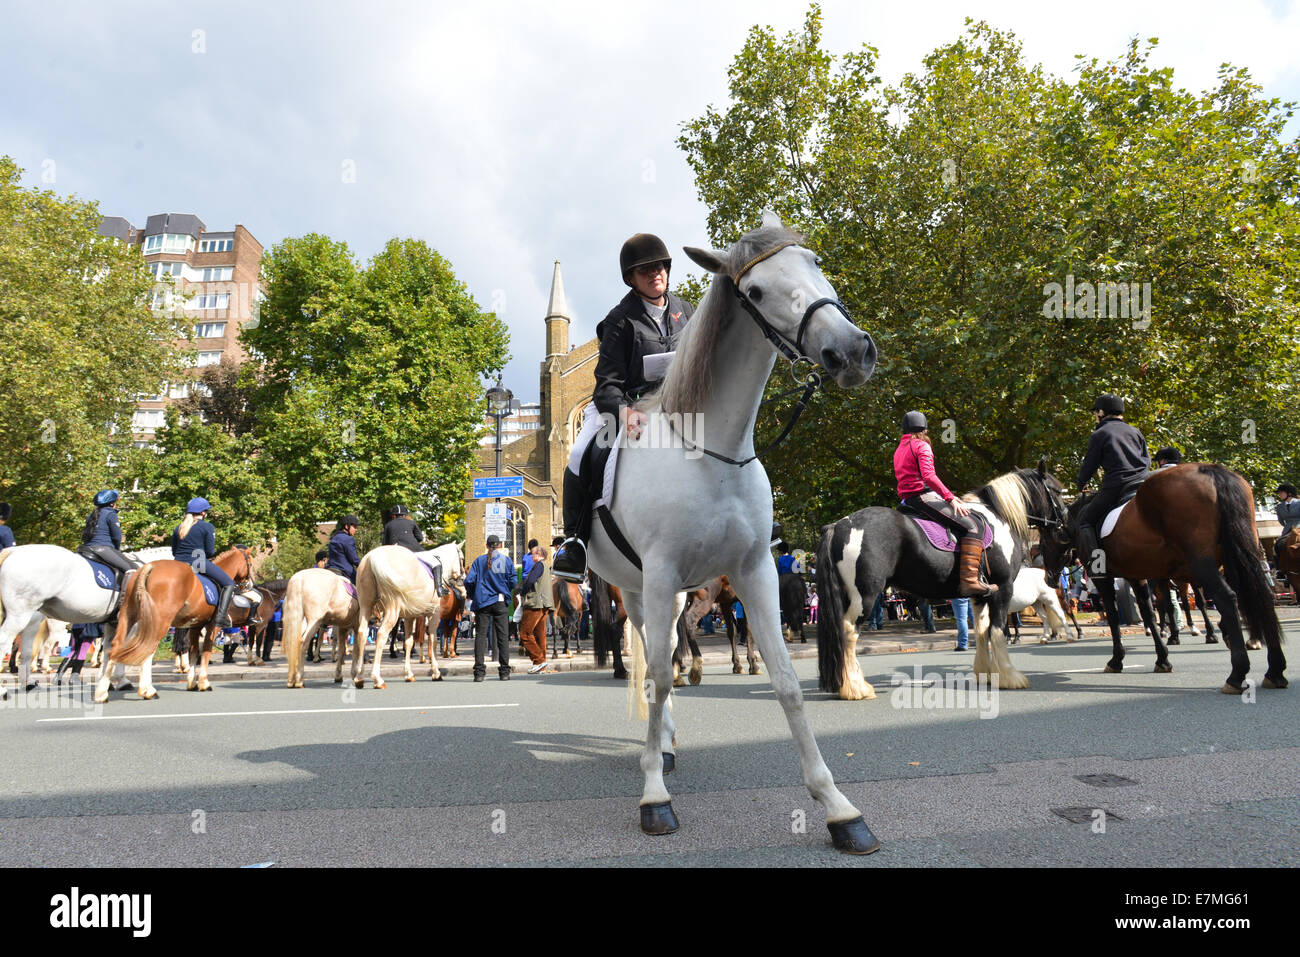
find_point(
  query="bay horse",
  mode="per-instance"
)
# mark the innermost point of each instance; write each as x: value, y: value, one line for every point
x: 161, y: 595
x: 193, y: 640
x: 1288, y: 561
x: 313, y: 600
x: 394, y: 582
x: 608, y: 618
x: 569, y: 605
x: 677, y: 502
x: 860, y: 554
x: 699, y: 602
x: 1185, y: 522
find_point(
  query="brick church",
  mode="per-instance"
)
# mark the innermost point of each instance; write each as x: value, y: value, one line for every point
x: 540, y: 456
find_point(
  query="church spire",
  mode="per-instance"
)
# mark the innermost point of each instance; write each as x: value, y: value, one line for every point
x: 557, y: 317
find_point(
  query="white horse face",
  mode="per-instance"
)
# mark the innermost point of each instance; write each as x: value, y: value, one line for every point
x: 782, y: 287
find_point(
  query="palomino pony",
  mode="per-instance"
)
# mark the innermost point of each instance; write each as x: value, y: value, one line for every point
x: 394, y: 582
x: 1186, y: 522
x: 161, y: 595
x: 40, y: 581
x: 679, y: 498
x: 314, y: 600
x: 874, y: 547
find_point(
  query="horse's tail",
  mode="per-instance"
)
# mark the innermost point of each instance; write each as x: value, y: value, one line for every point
x: 571, y: 614
x: 638, y: 701
x: 131, y: 646
x: 292, y: 623
x: 1242, y: 556
x: 602, y: 619
x: 388, y: 590
x: 830, y: 616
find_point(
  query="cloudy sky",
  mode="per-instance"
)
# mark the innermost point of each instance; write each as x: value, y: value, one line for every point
x: 507, y: 135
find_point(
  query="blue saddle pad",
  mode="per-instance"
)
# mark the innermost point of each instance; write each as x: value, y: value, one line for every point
x: 210, y: 590
x: 105, y: 575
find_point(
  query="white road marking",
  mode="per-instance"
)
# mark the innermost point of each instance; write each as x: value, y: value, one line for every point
x: 237, y: 714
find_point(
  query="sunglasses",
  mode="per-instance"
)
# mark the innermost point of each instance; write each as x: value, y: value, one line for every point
x: 653, y: 269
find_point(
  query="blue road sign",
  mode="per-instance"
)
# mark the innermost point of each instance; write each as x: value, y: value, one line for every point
x: 502, y: 487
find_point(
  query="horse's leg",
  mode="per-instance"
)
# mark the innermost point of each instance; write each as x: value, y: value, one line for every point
x: 386, y: 623
x: 208, y: 638
x: 1010, y: 678
x: 434, y: 671
x: 1106, y: 592
x: 735, y: 652
x: 1205, y: 572
x: 853, y: 686
x: 1143, y: 596
x: 146, y: 690
x: 685, y: 636
x: 848, y: 829
x: 408, y: 642
x: 980, y: 666
x: 656, y: 625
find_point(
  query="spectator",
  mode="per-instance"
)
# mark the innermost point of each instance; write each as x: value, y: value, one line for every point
x: 490, y: 581
x: 965, y: 620
x: 535, y: 599
x: 742, y: 627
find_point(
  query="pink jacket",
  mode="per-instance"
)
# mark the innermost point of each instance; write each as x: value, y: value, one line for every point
x: 914, y: 468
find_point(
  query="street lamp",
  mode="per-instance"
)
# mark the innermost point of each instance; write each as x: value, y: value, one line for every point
x: 499, y: 400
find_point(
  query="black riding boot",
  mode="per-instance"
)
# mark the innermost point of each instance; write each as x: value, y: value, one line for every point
x: 570, y: 561
x: 1087, y: 544
x: 222, y: 619
x: 437, y: 581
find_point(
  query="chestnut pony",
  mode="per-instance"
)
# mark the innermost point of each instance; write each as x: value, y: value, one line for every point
x: 164, y: 594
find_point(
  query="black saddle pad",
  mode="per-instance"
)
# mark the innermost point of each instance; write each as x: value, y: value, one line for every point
x: 592, y: 469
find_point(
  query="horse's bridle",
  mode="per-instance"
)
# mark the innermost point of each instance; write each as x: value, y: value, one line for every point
x: 808, y: 383
x: 1057, y: 521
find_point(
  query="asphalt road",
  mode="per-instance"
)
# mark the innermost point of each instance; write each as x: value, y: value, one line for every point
x: 543, y: 770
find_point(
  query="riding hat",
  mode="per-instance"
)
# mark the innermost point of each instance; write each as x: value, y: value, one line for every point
x: 349, y: 520
x: 493, y: 541
x: 914, y: 422
x: 1108, y: 404
x: 106, y: 497
x: 1169, y: 454
x: 400, y: 510
x: 1286, y: 487
x: 641, y: 250
x: 5, y: 511
x: 198, y: 505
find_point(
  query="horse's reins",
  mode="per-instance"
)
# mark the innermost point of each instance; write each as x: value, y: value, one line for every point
x: 793, y: 353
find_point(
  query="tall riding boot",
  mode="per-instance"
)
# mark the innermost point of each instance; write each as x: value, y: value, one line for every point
x: 1087, y: 543
x: 222, y: 619
x: 437, y: 581
x: 570, y: 562
x: 971, y: 548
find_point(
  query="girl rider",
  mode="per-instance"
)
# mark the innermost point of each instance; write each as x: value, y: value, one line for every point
x: 920, y: 490
x: 101, y: 537
x: 646, y: 322
x: 194, y: 542
x: 343, y: 558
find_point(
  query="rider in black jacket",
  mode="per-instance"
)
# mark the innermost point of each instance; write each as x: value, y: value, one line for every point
x: 402, y: 530
x: 1121, y: 450
x: 646, y: 322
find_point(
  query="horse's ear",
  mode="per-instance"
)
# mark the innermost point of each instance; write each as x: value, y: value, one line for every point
x: 772, y: 220
x: 711, y: 259
x: 1042, y: 467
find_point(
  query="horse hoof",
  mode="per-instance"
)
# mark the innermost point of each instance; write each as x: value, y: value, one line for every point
x: 151, y: 696
x: 410, y: 677
x: 658, y: 818
x: 853, y: 837
x: 737, y: 670
x: 620, y: 675
x: 1211, y: 640
x: 1271, y: 682
x: 359, y: 684
x: 1230, y: 688
x: 1253, y: 645
x: 126, y: 686
x: 1174, y: 641
x: 438, y: 676
x: 679, y: 682
x: 380, y: 686
x: 696, y: 676
x: 1111, y: 669
x: 756, y: 670
x: 1162, y: 668
x: 670, y: 762
x: 205, y: 687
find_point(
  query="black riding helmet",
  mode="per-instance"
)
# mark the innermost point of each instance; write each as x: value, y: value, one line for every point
x: 5, y: 511
x: 1285, y: 487
x: 1169, y: 454
x: 349, y: 520
x: 399, y: 510
x: 1108, y: 404
x: 641, y: 250
x: 914, y: 422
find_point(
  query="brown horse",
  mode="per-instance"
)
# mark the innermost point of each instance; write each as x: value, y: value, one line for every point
x: 698, y: 604
x: 451, y: 609
x: 161, y: 595
x: 1185, y: 523
x: 608, y: 616
x: 1288, y: 561
x: 569, y: 604
x: 189, y: 638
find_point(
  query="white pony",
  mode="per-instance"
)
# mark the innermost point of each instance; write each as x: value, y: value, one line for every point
x: 394, y: 582
x: 692, y: 481
x: 40, y: 581
x: 1031, y: 589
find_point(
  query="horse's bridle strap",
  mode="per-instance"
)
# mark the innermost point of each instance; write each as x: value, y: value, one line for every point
x: 759, y: 258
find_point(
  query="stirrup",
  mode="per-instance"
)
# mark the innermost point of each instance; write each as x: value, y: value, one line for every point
x: 570, y: 562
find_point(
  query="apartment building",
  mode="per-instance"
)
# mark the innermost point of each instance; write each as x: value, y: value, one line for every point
x: 216, y: 277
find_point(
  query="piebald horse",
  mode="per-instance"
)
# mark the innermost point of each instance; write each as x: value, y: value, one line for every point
x: 161, y: 595
x: 314, y: 600
x: 393, y: 583
x: 679, y: 498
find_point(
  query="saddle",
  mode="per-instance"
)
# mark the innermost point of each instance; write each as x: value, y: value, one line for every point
x: 941, y: 536
x: 596, y: 472
x: 1107, y: 524
x: 212, y: 591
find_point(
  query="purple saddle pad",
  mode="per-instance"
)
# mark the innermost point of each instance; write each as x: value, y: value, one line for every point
x: 352, y: 589
x: 943, y: 539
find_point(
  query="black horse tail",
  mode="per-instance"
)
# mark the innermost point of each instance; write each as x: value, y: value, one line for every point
x: 602, y: 618
x: 1242, y: 556
x: 830, y: 616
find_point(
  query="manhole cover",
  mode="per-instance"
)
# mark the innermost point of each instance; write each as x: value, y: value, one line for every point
x: 1084, y: 815
x: 1105, y: 780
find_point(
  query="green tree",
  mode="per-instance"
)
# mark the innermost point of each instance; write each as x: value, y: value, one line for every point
x: 944, y: 208
x: 80, y: 344
x: 372, y: 392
